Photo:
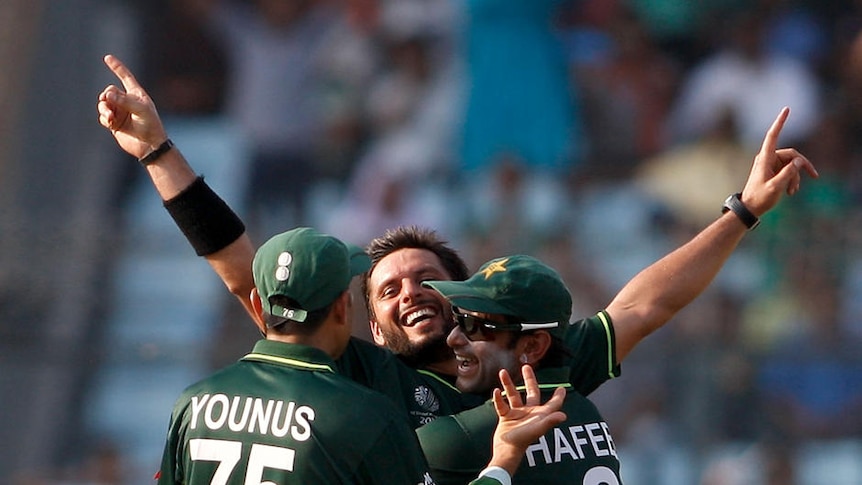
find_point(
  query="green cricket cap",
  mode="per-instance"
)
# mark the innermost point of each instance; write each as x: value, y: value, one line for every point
x: 307, y: 266
x: 518, y: 286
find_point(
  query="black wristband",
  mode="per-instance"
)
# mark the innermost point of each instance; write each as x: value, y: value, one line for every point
x: 206, y: 220
x: 158, y: 152
x: 734, y: 203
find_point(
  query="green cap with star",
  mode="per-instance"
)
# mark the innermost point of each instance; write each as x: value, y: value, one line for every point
x: 307, y: 266
x: 519, y: 286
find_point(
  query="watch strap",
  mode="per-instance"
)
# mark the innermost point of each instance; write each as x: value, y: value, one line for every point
x: 158, y: 152
x: 734, y: 204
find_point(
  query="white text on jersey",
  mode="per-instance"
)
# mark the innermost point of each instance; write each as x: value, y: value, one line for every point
x: 253, y: 415
x: 572, y: 441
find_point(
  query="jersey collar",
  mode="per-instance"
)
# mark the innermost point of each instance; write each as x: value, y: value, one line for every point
x: 291, y: 355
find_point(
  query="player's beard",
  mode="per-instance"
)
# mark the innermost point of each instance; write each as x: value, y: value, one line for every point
x: 431, y: 351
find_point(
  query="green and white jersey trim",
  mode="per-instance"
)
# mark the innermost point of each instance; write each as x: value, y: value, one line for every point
x: 290, y: 362
x: 607, y: 324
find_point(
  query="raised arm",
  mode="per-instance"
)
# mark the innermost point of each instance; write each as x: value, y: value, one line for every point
x: 658, y: 292
x: 130, y: 115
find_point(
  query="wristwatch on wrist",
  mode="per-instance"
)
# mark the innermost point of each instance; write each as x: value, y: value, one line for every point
x: 734, y: 203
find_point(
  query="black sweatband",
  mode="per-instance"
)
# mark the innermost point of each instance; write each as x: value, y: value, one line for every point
x: 206, y: 220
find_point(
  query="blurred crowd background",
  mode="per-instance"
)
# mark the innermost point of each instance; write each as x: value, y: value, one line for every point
x: 597, y: 135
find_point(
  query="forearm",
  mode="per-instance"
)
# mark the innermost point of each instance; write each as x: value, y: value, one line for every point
x: 209, y: 224
x: 233, y: 265
x: 171, y: 174
x: 211, y: 227
x: 658, y: 292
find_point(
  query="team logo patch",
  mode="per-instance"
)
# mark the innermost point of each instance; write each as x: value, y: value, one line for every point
x: 426, y: 399
x: 495, y: 267
x: 283, y: 272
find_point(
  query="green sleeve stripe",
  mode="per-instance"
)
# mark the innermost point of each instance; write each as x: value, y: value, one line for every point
x: 550, y: 386
x: 523, y: 388
x: 607, y: 324
x: 436, y: 377
x: 547, y: 386
x: 286, y: 361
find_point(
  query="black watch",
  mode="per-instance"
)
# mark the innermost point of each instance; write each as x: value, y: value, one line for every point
x: 734, y: 203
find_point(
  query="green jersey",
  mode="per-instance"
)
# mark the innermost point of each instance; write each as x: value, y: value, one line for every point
x: 593, y: 361
x: 282, y: 414
x: 424, y: 395
x: 580, y: 450
x: 419, y: 394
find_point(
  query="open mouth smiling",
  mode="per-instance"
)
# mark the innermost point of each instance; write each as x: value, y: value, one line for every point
x: 464, y: 362
x: 415, y: 317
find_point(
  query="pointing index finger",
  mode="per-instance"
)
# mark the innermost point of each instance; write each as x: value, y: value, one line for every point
x: 770, y: 142
x: 122, y: 72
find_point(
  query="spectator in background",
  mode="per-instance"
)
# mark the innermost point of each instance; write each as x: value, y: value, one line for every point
x: 290, y: 61
x: 627, y: 91
x: 810, y: 378
x: 187, y: 62
x: 521, y: 114
x: 409, y: 112
x: 518, y: 97
x: 749, y: 79
x: 687, y: 178
x: 846, y: 104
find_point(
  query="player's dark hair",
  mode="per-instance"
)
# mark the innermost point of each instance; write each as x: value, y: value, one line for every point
x: 283, y: 326
x: 558, y: 354
x: 412, y: 237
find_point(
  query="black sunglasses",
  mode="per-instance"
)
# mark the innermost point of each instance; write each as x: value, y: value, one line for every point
x: 481, y: 329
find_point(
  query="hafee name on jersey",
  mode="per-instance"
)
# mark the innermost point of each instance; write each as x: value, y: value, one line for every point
x: 252, y: 415
x: 574, y: 442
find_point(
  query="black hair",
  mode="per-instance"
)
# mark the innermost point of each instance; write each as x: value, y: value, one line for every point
x: 284, y: 326
x: 558, y: 354
x: 413, y: 237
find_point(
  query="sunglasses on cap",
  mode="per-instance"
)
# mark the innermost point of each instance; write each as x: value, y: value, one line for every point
x: 481, y: 329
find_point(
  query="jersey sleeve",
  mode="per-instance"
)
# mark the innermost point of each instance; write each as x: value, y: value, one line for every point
x: 592, y: 347
x: 458, y: 447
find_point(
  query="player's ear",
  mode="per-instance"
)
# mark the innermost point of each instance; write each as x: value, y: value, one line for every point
x: 376, y: 334
x: 534, y: 346
x: 254, y: 298
x: 342, y: 307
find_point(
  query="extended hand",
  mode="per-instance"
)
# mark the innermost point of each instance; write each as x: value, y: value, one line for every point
x: 129, y: 113
x: 520, y: 423
x: 775, y: 171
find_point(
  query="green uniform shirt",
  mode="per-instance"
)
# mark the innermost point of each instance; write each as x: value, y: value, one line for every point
x: 421, y: 395
x: 283, y: 415
x: 424, y: 395
x: 578, y: 451
x: 591, y: 344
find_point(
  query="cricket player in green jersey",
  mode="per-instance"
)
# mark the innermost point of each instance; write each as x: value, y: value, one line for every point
x: 514, y: 311
x: 283, y: 415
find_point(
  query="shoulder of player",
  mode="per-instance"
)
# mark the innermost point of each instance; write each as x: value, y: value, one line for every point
x: 459, y: 442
